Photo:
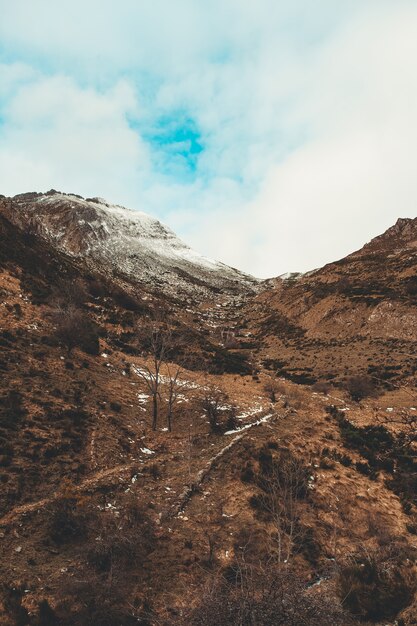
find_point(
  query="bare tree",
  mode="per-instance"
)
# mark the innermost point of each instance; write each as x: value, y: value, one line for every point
x: 283, y: 484
x: 174, y: 385
x: 158, y: 342
x: 406, y: 423
x: 253, y: 595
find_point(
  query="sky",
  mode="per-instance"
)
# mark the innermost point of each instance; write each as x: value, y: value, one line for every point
x: 273, y: 136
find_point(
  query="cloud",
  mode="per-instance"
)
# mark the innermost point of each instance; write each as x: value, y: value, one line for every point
x: 351, y: 175
x: 275, y: 136
x: 56, y: 134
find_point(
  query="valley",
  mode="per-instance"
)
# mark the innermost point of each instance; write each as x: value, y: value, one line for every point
x: 278, y: 483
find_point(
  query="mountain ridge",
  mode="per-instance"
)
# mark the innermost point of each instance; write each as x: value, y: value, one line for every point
x: 126, y: 242
x: 401, y: 235
x: 115, y: 236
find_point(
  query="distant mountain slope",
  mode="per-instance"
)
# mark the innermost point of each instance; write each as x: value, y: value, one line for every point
x: 401, y: 236
x: 355, y: 315
x: 124, y: 242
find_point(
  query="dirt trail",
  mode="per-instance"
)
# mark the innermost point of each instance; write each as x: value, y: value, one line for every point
x: 204, y: 472
x: 95, y: 478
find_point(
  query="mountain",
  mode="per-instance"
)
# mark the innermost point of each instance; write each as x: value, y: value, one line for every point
x: 357, y: 315
x: 399, y: 237
x: 124, y: 243
x: 281, y: 495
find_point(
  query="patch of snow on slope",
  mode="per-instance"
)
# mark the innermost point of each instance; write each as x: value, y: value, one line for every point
x: 241, y: 428
x: 128, y: 225
x: 133, y: 243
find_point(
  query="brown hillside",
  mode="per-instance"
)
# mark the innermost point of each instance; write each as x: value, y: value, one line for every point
x: 285, y: 504
x: 355, y: 316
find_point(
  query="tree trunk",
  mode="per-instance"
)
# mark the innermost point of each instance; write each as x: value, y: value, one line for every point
x: 154, y: 411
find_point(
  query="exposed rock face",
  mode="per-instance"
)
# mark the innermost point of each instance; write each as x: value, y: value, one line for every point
x: 126, y: 243
x: 401, y: 236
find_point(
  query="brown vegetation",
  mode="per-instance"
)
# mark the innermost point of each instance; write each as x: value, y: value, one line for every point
x: 308, y: 517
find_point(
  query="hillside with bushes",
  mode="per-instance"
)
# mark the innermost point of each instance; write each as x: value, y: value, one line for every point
x: 243, y: 457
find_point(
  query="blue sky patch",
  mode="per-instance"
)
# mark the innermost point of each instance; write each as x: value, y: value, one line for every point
x: 176, y: 145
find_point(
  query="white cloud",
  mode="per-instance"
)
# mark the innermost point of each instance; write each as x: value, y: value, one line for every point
x: 306, y: 113
x: 59, y: 135
x: 354, y: 173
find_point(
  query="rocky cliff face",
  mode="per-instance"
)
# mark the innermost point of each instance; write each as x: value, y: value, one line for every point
x: 124, y: 243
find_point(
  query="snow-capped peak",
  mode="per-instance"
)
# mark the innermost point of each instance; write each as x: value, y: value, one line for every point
x: 129, y: 242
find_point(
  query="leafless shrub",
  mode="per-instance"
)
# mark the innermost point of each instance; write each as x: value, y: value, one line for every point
x: 258, y: 596
x: 247, y: 475
x: 405, y: 423
x: 283, y: 482
x: 252, y: 545
x: 99, y: 602
x: 213, y: 400
x: 71, y: 293
x: 272, y: 386
x: 360, y: 387
x: 69, y: 514
x: 376, y: 584
x: 73, y: 328
x: 117, y: 546
x: 322, y: 386
x: 294, y: 396
x: 119, y: 541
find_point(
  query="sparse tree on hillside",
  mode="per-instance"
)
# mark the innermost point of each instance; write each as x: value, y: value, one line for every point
x: 73, y: 327
x: 283, y: 483
x: 174, y: 385
x: 158, y: 342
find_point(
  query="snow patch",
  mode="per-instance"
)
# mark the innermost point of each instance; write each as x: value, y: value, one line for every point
x: 147, y: 451
x: 241, y: 428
